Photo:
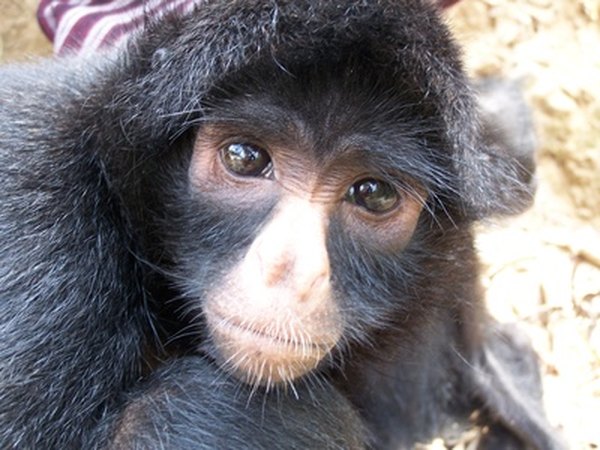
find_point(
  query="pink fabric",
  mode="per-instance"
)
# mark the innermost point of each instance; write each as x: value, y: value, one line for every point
x: 84, y: 26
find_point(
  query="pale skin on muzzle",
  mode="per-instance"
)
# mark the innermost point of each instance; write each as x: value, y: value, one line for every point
x: 283, y: 320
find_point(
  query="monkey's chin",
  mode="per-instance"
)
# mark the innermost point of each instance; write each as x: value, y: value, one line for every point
x: 259, y: 358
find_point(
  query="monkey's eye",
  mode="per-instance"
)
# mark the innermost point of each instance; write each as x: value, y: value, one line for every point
x: 246, y: 160
x: 374, y: 195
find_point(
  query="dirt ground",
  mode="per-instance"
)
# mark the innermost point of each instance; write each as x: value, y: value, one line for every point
x: 543, y: 268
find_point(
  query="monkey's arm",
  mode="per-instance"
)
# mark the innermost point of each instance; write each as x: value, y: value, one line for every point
x: 190, y: 404
x: 70, y: 315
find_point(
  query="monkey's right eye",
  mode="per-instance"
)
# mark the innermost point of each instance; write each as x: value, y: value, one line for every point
x: 374, y: 195
x: 246, y: 160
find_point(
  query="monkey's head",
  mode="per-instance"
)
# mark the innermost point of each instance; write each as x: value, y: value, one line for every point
x: 313, y: 166
x: 332, y: 167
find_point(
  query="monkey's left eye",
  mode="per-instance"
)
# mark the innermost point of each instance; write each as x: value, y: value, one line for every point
x: 246, y: 160
x: 372, y: 194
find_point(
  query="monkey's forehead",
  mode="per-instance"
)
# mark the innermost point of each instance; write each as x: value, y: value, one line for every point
x: 406, y: 39
x: 226, y: 36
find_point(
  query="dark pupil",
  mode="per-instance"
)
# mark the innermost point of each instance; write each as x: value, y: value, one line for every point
x: 245, y: 159
x: 372, y: 194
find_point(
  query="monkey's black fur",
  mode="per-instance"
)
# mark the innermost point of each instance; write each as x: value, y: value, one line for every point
x: 105, y: 252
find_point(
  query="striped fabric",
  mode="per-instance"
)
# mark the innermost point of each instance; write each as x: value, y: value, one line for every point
x: 84, y: 26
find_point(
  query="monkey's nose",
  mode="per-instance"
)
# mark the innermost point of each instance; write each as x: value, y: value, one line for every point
x: 291, y: 249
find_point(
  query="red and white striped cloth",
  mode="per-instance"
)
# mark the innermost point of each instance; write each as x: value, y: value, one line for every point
x: 84, y: 26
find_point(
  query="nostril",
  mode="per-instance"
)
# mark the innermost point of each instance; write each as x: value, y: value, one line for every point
x: 314, y: 289
x: 277, y: 271
x: 321, y: 280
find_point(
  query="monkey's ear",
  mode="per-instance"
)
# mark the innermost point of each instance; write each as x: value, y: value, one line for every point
x: 496, y: 158
x: 506, y: 380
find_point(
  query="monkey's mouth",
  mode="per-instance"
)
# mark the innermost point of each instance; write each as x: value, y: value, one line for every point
x: 260, y: 357
x: 246, y: 331
x: 237, y: 326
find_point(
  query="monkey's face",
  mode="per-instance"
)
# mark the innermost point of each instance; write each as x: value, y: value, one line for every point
x: 304, y: 206
x: 274, y: 316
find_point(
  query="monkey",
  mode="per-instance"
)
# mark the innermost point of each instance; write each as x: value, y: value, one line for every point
x: 506, y: 120
x: 251, y: 227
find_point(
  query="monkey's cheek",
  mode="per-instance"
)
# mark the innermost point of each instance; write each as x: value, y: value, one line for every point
x: 257, y: 358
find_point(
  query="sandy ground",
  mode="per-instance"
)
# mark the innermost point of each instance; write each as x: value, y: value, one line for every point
x: 543, y: 268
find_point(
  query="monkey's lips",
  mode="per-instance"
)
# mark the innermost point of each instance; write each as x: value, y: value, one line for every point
x: 260, y: 357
